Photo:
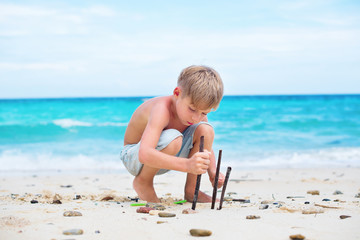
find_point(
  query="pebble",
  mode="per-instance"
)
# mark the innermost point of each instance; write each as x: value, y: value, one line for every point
x: 306, y: 202
x: 166, y: 214
x: 160, y: 222
x: 344, y: 216
x: 77, y: 197
x: 200, y: 232
x: 263, y: 206
x: 97, y: 231
x: 326, y: 200
x: 252, y: 217
x: 296, y: 237
x: 66, y: 186
x: 189, y: 211
x: 154, y: 212
x: 337, y: 192
x: 144, y: 209
x: 155, y: 206
x: 34, y: 201
x: 228, y: 199
x: 313, y: 192
x: 357, y: 195
x: 241, y: 200
x: 56, y: 202
x: 107, y: 198
x: 72, y: 214
x: 73, y: 232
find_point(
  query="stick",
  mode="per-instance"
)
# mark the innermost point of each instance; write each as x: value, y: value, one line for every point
x: 198, y: 179
x: 224, y: 187
x: 216, y: 180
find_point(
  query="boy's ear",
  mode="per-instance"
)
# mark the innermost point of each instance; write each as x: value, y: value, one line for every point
x: 177, y: 91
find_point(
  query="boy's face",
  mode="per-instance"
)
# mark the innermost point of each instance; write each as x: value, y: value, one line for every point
x: 188, y: 114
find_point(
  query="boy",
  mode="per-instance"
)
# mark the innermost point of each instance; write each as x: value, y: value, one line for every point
x: 164, y: 134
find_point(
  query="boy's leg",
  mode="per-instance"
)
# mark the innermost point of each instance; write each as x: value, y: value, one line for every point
x: 208, y: 132
x: 143, y: 182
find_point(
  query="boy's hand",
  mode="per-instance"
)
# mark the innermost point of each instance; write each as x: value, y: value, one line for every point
x: 199, y: 163
x: 220, y: 180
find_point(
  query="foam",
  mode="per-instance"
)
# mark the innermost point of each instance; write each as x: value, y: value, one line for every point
x: 67, y: 123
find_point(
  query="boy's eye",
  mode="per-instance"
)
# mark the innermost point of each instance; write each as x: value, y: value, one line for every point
x: 193, y: 110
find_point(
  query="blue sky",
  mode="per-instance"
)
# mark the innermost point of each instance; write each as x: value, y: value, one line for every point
x: 138, y: 48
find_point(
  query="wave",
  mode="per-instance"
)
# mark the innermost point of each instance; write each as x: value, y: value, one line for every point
x: 18, y: 160
x: 326, y: 157
x: 67, y: 123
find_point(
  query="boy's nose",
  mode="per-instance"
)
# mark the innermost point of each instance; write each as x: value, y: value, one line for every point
x: 196, y: 117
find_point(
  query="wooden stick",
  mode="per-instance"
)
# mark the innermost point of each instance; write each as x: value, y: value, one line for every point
x: 224, y: 187
x: 198, y: 179
x: 216, y: 180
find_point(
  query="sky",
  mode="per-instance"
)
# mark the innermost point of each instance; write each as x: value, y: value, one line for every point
x: 51, y: 49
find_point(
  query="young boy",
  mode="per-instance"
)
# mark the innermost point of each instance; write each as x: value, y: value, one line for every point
x: 164, y: 134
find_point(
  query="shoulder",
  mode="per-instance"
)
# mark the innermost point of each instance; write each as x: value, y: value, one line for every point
x: 161, y: 108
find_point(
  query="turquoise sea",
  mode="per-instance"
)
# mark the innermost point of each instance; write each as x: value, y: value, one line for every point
x: 86, y: 134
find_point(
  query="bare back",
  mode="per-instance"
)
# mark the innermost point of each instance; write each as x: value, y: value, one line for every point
x: 142, y: 114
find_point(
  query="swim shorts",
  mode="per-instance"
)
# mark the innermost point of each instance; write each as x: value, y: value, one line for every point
x: 130, y: 153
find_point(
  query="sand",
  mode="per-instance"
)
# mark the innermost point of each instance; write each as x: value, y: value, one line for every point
x: 107, y: 214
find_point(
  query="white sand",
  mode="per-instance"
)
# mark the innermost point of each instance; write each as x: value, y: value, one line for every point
x: 115, y: 219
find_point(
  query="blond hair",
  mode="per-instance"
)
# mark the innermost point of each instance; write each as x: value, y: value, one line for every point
x: 203, y: 85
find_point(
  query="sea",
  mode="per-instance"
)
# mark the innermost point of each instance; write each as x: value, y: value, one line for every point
x: 86, y: 134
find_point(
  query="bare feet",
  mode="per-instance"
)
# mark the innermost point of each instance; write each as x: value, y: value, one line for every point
x: 202, y: 197
x: 145, y: 190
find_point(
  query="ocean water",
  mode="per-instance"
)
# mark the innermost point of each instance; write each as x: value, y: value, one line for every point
x: 86, y: 134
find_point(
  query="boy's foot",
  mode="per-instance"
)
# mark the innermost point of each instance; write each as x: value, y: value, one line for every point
x: 145, y: 190
x: 202, y: 197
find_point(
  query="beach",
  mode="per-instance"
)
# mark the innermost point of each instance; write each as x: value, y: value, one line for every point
x: 284, y: 202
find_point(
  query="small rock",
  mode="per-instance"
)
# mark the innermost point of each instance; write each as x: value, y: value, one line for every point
x: 107, y: 198
x: 77, y: 197
x: 263, y: 206
x: 357, y: 195
x: 228, y: 199
x: 252, y: 217
x: 155, y: 206
x: 296, y: 237
x: 267, y: 202
x: 56, y: 202
x: 189, y: 211
x: 160, y: 222
x: 326, y: 200
x: 144, y: 209
x: 72, y: 214
x: 313, y: 192
x: 337, y: 192
x: 97, y: 231
x: 34, y: 201
x: 66, y: 186
x: 73, y: 232
x: 154, y: 212
x: 200, y: 232
x: 306, y: 202
x: 344, y: 216
x: 166, y: 214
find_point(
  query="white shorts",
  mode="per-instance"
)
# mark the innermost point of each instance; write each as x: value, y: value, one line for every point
x: 130, y: 153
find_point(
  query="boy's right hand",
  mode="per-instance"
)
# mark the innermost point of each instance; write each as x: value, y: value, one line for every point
x: 199, y: 163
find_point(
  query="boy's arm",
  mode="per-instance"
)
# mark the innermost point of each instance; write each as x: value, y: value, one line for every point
x: 148, y: 155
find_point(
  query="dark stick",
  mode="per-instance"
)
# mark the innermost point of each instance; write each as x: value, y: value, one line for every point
x: 198, y: 179
x: 216, y: 180
x: 224, y: 187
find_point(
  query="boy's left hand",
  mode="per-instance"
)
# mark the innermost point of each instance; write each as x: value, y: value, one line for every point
x: 220, y: 181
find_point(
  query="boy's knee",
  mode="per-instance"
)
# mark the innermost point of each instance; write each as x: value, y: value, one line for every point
x: 205, y: 130
x: 174, y: 146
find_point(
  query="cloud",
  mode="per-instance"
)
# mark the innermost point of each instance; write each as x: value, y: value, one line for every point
x: 33, y: 66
